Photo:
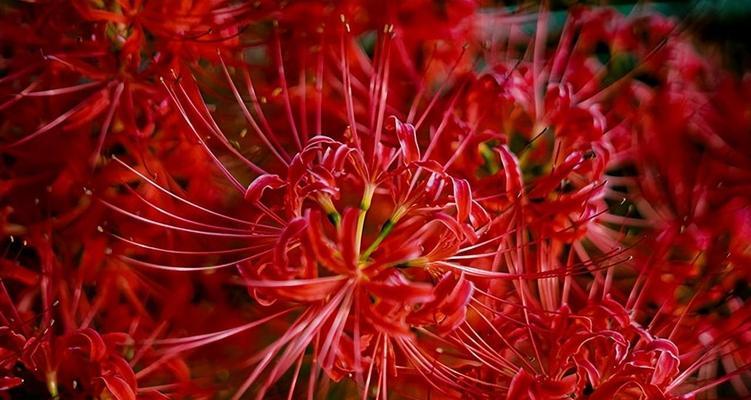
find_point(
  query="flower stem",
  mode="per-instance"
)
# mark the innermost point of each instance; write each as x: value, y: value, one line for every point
x: 52, y: 384
x: 388, y: 226
x: 367, y: 197
x: 330, y: 209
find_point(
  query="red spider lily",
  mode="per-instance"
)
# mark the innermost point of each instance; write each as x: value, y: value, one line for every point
x: 36, y: 359
x: 83, y: 358
x: 369, y: 199
x: 80, y: 288
x: 97, y: 65
x: 550, y: 154
x: 53, y: 331
x: 690, y: 208
x: 597, y: 351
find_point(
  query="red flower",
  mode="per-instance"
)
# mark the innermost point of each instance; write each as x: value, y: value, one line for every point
x: 420, y: 199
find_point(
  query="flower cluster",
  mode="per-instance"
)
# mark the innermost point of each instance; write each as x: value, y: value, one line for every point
x: 359, y: 199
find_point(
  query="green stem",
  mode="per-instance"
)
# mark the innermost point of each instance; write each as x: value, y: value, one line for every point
x: 367, y: 197
x: 388, y: 226
x: 331, y: 212
x: 52, y: 384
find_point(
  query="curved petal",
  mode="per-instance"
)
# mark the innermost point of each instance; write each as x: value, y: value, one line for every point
x: 119, y: 389
x: 292, y: 230
x: 405, y: 133
x: 514, y: 182
x: 256, y: 188
x: 463, y: 199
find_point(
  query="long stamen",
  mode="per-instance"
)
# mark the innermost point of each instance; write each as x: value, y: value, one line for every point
x: 178, y: 198
x: 108, y: 121
x: 382, y: 93
x: 190, y: 343
x: 285, y: 90
x: 248, y: 117
x: 319, y: 88
x: 231, y: 178
x: 200, y: 109
x: 440, y: 90
x: 183, y: 229
x: 59, y: 120
x: 346, y: 79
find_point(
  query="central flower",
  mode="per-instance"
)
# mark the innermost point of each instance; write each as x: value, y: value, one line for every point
x: 361, y: 231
